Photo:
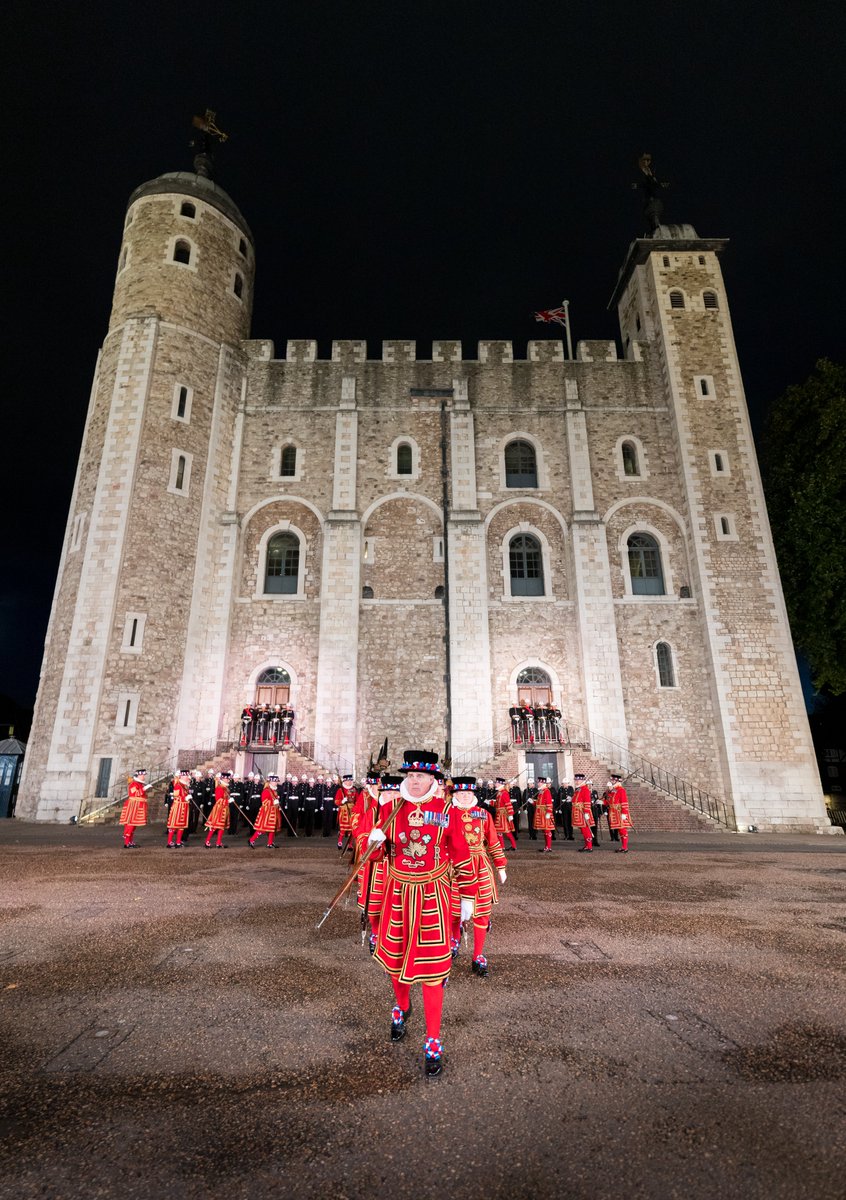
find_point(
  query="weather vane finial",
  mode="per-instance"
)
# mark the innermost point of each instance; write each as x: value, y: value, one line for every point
x: 650, y: 187
x: 202, y: 143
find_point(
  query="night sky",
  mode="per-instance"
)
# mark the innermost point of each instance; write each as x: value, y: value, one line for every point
x: 409, y: 170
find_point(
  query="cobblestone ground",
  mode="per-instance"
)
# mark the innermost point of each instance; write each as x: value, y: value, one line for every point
x: 669, y: 1023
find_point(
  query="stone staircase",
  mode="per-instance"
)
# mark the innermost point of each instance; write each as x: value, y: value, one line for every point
x: 652, y: 810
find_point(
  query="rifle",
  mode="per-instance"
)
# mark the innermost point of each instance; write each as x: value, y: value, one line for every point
x: 365, y: 858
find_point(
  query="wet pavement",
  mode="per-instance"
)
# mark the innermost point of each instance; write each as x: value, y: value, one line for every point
x: 667, y: 1023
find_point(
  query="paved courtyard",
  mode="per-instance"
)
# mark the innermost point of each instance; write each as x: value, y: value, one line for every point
x: 669, y: 1023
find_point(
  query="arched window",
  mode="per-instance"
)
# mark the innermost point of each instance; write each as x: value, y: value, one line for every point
x: 676, y: 300
x: 521, y: 470
x: 534, y: 687
x: 367, y: 592
x: 238, y: 285
x: 179, y: 482
x: 288, y: 461
x: 525, y: 562
x: 630, y: 463
x: 645, y: 565
x: 182, y: 252
x: 187, y: 210
x: 282, y: 565
x: 710, y: 299
x: 275, y: 675
x: 242, y: 248
x: 439, y: 592
x: 666, y: 672
x: 404, y: 459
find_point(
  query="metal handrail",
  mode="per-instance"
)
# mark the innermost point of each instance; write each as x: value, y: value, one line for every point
x: 162, y: 770
x: 630, y: 763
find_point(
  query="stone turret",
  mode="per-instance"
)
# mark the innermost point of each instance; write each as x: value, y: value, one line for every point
x: 131, y: 606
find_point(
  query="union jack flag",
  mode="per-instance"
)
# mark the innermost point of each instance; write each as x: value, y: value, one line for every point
x: 559, y: 315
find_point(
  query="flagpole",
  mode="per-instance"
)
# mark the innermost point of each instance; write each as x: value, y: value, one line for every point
x: 565, y: 304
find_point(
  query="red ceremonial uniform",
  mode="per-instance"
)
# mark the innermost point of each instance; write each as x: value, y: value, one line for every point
x: 269, y: 819
x: 582, y: 812
x: 543, y: 811
x: 134, y: 811
x: 504, y: 812
x: 413, y: 942
x: 484, y: 845
x: 345, y: 798
x: 618, y: 813
x: 219, y: 816
x: 179, y: 813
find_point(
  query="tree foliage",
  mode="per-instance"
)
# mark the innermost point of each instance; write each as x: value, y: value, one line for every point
x: 804, y: 464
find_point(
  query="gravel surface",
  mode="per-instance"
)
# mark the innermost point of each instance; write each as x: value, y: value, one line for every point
x: 667, y: 1023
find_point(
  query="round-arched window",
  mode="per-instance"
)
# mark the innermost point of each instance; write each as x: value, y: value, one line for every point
x: 525, y: 563
x: 274, y: 675
x: 645, y: 565
x: 282, y: 566
x: 521, y: 468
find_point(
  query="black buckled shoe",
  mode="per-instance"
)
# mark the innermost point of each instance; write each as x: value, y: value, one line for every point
x: 479, y: 966
x: 399, y: 1019
x: 433, y: 1058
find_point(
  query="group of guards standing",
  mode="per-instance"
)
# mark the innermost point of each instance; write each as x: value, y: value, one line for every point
x: 266, y: 725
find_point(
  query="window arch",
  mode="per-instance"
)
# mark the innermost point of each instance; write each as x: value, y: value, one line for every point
x: 630, y: 461
x: 665, y: 665
x: 525, y: 565
x: 645, y: 569
x: 182, y: 252
x: 187, y: 210
x: 710, y: 300
x: 238, y: 285
x: 405, y: 459
x: 521, y: 466
x: 534, y: 686
x: 274, y: 675
x: 367, y: 592
x: 676, y: 300
x: 282, y: 564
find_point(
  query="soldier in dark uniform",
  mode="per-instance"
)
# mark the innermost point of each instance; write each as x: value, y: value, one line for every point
x: 596, y: 809
x: 516, y: 795
x: 311, y: 808
x: 252, y: 796
x: 325, y: 794
x: 236, y: 802
x: 209, y: 787
x: 195, y: 801
x: 567, y: 812
x: 557, y: 811
x: 530, y: 796
x: 291, y: 805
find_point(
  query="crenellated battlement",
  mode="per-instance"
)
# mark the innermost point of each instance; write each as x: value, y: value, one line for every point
x: 400, y: 352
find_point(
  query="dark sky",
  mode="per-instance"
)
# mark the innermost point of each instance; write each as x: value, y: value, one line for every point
x: 409, y: 170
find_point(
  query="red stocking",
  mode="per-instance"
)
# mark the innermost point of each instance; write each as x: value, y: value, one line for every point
x: 270, y: 838
x: 402, y: 991
x: 588, y: 836
x: 480, y: 932
x: 510, y: 837
x: 624, y: 838
x: 179, y: 837
x: 374, y: 924
x: 220, y: 837
x: 170, y: 837
x: 128, y: 831
x: 433, y: 1003
x: 548, y: 840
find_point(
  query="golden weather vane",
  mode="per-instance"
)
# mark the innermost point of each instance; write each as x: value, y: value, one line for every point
x: 208, y: 125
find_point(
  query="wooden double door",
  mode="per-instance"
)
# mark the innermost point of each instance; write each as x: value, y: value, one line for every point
x: 273, y: 693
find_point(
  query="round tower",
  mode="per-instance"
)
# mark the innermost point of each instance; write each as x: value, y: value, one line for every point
x: 145, y: 536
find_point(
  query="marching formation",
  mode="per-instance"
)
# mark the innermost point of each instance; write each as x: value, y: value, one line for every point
x: 428, y: 854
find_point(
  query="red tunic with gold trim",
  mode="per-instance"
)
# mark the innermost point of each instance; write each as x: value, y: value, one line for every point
x: 413, y: 943
x: 134, y: 811
x: 543, y: 811
x: 618, y: 809
x: 345, y: 798
x: 179, y: 813
x: 582, y: 813
x: 269, y: 819
x: 219, y: 815
x: 484, y: 845
x: 364, y: 813
x: 504, y: 812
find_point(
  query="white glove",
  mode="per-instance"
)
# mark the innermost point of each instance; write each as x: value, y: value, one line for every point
x: 502, y: 875
x: 276, y: 803
x: 466, y: 910
x: 376, y: 835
